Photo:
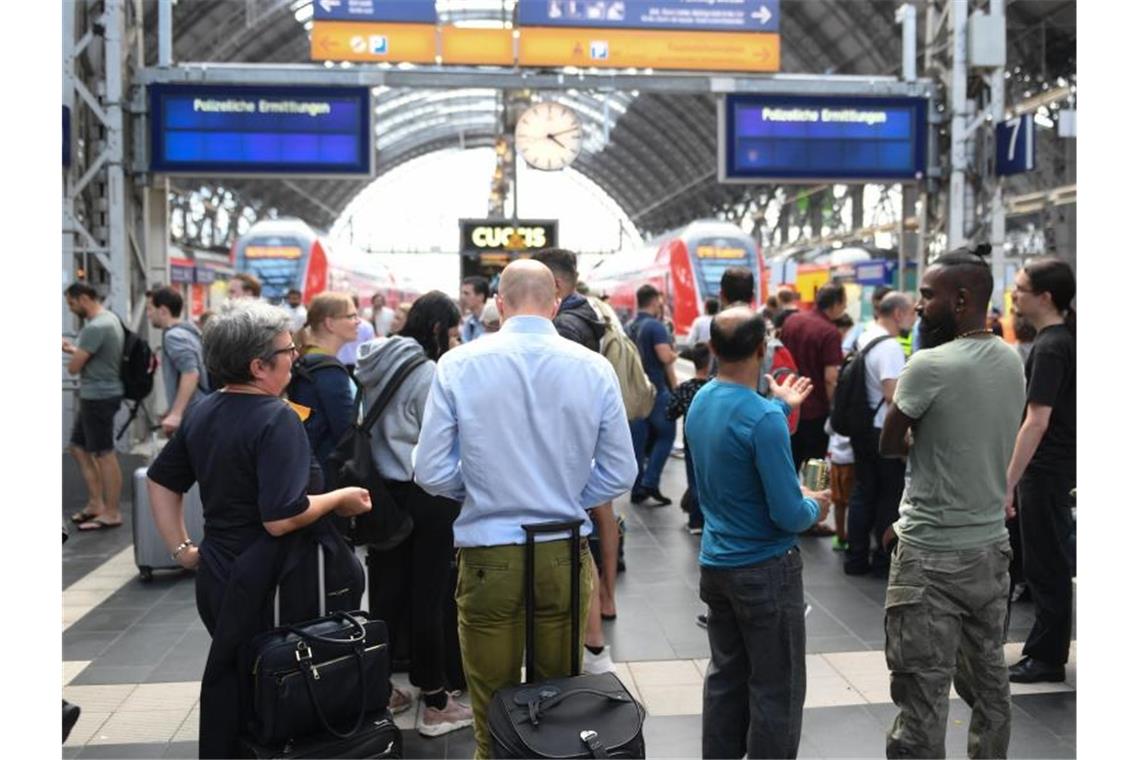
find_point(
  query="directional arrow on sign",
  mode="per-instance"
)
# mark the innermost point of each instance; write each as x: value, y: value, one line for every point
x: 763, y: 14
x: 328, y: 5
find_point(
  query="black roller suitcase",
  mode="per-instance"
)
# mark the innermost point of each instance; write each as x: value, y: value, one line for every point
x: 378, y: 737
x: 580, y: 716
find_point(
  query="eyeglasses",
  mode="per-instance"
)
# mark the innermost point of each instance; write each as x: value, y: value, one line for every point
x: 291, y: 349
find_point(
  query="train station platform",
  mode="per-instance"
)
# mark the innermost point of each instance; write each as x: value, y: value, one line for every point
x: 133, y: 652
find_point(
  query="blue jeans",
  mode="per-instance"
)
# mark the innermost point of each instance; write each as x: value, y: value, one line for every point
x: 757, y: 677
x: 665, y: 430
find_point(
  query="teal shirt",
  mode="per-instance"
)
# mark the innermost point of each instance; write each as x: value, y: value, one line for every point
x: 748, y: 488
x: 102, y: 337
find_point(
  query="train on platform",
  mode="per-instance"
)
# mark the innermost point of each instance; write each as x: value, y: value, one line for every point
x: 286, y: 254
x: 685, y: 264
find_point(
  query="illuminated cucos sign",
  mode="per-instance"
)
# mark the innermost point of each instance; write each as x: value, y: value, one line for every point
x: 500, y: 235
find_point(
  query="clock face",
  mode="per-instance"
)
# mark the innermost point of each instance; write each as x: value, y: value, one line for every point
x: 549, y: 136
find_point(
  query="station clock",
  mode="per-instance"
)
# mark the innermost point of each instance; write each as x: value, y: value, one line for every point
x: 549, y: 136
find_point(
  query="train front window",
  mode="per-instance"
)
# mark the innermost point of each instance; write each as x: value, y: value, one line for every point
x: 711, y: 256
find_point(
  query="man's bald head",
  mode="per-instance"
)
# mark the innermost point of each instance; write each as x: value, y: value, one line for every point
x: 527, y: 287
x: 737, y: 334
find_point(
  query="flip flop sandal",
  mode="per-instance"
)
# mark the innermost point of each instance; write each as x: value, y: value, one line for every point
x: 82, y: 516
x: 98, y: 525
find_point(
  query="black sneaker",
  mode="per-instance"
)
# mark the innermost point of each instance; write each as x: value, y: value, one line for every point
x: 703, y: 620
x: 638, y: 496
x: 657, y: 496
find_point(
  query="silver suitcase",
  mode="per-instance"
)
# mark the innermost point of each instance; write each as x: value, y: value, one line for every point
x: 151, y: 552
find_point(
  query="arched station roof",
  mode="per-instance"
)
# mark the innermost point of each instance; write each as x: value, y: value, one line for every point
x: 654, y: 153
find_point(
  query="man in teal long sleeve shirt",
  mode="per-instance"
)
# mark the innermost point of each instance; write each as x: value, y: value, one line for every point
x: 751, y: 571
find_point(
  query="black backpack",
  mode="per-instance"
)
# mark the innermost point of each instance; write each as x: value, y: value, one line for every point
x: 387, y: 524
x: 305, y: 366
x: 137, y: 366
x: 851, y: 412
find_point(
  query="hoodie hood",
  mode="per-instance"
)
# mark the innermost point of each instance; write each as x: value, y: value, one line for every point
x: 577, y: 320
x: 377, y: 360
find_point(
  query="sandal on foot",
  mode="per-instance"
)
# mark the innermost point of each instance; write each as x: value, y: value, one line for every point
x: 98, y: 523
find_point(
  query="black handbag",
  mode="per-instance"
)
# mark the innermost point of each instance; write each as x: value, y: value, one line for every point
x: 579, y: 716
x: 320, y: 677
x: 387, y: 524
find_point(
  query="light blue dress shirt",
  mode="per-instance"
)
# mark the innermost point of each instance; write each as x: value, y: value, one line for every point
x: 523, y: 426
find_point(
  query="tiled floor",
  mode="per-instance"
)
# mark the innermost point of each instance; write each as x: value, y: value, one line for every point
x: 133, y: 653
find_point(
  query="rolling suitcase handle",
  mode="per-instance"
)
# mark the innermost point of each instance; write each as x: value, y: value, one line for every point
x: 575, y: 529
x: 320, y: 589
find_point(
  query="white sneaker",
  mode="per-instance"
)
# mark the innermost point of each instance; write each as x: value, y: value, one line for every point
x: 596, y: 664
x: 454, y: 716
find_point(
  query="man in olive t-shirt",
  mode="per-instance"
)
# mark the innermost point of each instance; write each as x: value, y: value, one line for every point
x: 960, y: 401
x: 96, y: 357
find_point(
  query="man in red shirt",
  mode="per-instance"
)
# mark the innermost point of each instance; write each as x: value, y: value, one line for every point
x: 815, y: 343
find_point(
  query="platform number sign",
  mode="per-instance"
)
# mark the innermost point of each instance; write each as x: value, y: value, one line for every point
x: 1016, y: 146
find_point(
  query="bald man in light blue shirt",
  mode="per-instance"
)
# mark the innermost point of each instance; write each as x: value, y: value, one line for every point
x: 522, y: 426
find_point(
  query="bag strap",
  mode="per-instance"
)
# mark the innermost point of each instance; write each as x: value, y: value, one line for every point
x: 390, y: 391
x: 575, y: 528
x: 593, y: 743
x: 309, y: 674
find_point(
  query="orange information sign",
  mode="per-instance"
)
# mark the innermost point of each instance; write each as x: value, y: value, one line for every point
x: 351, y: 41
x: 477, y: 47
x: 641, y: 48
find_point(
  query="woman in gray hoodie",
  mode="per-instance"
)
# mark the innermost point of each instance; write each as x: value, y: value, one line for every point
x: 412, y: 579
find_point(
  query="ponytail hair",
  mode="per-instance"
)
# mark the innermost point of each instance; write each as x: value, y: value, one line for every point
x: 1055, y: 277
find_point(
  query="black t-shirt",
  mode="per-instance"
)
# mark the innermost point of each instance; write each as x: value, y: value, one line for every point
x: 250, y: 456
x: 1052, y: 374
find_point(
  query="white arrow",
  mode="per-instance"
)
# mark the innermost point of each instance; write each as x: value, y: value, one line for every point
x: 764, y: 14
x: 328, y: 5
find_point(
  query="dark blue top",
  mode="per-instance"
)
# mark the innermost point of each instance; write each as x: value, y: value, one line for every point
x: 250, y: 457
x: 648, y: 332
x: 330, y: 396
x: 747, y: 485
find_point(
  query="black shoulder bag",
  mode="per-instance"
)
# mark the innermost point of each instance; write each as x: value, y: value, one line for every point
x: 387, y: 524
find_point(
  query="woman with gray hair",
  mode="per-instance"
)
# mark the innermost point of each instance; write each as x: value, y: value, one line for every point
x: 248, y: 450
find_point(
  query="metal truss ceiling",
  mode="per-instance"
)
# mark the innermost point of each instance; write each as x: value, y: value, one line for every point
x: 660, y: 158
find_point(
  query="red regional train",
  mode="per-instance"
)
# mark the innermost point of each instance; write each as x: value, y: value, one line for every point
x: 286, y: 253
x: 685, y: 264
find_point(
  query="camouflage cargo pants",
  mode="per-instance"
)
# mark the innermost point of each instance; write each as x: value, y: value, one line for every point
x: 945, y: 618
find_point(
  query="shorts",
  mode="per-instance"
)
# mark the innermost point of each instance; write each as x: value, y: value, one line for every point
x: 94, y: 429
x: 842, y: 484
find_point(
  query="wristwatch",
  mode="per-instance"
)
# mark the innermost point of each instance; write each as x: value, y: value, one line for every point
x: 181, y: 548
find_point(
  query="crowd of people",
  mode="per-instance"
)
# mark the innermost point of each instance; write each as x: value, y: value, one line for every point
x: 506, y: 409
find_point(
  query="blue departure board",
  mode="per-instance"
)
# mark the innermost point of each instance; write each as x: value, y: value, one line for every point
x: 814, y: 139
x: 205, y: 129
x: 682, y: 15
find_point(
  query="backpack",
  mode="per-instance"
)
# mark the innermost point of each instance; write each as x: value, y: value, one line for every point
x: 352, y: 464
x: 137, y: 366
x: 851, y: 412
x: 779, y: 363
x: 305, y: 366
x: 637, y: 391
x: 136, y: 369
